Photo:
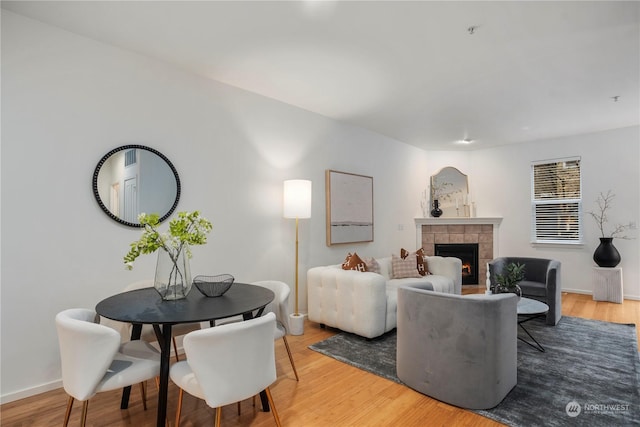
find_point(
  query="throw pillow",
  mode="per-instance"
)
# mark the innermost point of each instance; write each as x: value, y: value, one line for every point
x: 372, y: 264
x: 353, y: 262
x: 421, y: 260
x: 403, y: 268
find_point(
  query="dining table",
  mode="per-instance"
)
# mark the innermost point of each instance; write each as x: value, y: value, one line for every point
x: 146, y: 307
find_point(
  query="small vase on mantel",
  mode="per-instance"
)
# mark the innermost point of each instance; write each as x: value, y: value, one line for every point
x: 606, y: 255
x: 173, y: 275
x: 436, y: 212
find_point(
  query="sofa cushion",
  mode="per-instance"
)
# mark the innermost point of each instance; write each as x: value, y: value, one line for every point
x: 353, y: 262
x: 372, y: 264
x: 436, y: 283
x: 403, y: 268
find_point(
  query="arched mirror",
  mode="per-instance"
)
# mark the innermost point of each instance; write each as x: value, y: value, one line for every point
x: 133, y: 179
x: 451, y: 188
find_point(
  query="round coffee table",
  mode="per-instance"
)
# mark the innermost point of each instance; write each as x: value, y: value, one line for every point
x: 528, y: 309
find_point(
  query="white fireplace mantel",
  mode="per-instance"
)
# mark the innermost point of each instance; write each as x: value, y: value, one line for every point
x: 494, y: 221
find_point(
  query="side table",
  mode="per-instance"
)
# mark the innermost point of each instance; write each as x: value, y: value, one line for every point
x: 607, y: 284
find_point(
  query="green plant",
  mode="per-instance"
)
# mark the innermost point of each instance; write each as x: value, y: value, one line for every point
x: 514, y: 274
x: 188, y: 228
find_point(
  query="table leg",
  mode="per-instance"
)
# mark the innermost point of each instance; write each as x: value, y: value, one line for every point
x: 537, y: 345
x: 136, y: 331
x: 165, y: 353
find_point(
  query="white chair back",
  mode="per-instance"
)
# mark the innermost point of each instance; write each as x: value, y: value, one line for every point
x: 233, y: 362
x: 86, y: 351
x: 280, y: 304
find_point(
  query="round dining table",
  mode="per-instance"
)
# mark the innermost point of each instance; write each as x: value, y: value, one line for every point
x: 146, y: 307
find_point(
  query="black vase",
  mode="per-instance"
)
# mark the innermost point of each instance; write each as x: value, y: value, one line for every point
x: 436, y: 211
x: 606, y: 255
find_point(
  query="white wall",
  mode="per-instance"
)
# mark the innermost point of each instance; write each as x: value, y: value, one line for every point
x: 68, y: 100
x: 610, y: 160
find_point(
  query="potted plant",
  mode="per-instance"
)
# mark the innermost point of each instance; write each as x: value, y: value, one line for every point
x: 508, y: 282
x: 173, y: 275
x: 606, y: 255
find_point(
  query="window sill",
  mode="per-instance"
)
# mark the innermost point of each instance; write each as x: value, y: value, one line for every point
x: 557, y: 244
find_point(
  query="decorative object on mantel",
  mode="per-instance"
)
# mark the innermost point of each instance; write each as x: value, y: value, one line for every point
x: 450, y: 188
x: 297, y: 204
x: 436, y: 212
x: 213, y: 286
x: 606, y: 255
x: 508, y: 282
x: 173, y: 274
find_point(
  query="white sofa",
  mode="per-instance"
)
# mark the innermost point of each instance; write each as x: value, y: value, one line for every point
x: 364, y: 303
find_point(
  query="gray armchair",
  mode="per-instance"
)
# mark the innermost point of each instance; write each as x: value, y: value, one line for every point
x: 542, y: 282
x: 461, y: 350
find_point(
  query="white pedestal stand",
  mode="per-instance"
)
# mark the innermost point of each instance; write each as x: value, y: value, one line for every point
x: 296, y: 324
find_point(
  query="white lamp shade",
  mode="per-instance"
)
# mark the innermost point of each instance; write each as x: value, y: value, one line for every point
x: 297, y: 198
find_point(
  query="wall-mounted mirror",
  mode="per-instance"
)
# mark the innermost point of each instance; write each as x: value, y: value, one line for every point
x: 450, y: 188
x: 133, y: 179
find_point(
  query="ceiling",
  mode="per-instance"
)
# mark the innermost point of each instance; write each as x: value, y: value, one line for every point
x: 427, y: 73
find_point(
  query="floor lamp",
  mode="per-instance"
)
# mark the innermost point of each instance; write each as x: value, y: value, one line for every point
x: 297, y: 204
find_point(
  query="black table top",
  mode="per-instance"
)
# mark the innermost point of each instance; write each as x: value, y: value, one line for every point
x: 145, y: 305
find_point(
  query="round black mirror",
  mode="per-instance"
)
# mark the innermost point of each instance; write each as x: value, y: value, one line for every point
x: 133, y: 179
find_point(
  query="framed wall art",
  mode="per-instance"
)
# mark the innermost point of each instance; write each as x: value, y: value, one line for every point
x: 349, y: 207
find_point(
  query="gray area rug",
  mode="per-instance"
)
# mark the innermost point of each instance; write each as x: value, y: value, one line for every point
x: 588, y: 376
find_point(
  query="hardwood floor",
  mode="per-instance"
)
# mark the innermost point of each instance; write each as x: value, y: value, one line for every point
x: 330, y: 393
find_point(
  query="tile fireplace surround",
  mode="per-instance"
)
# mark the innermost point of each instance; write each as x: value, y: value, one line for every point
x: 483, y: 231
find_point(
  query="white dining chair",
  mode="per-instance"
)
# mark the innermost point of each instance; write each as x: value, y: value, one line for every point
x: 227, y: 364
x: 94, y: 360
x: 280, y: 307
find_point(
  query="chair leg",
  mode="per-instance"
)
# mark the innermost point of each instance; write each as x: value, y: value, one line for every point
x: 218, y: 416
x: 143, y: 394
x: 273, y: 407
x: 85, y: 408
x: 179, y: 410
x: 239, y: 408
x: 68, y: 413
x: 286, y: 344
x: 175, y: 349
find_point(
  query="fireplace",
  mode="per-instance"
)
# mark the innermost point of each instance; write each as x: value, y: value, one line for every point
x: 468, y: 254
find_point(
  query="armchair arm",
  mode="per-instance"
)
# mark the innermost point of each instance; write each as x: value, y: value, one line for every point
x: 553, y: 277
x: 450, y: 267
x: 349, y: 300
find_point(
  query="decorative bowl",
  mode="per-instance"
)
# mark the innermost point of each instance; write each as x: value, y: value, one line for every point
x: 213, y: 286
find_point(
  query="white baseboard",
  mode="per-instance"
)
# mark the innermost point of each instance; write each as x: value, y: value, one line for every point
x: 582, y: 291
x: 31, y: 391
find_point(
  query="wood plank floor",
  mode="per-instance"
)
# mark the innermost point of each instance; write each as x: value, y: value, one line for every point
x: 330, y: 393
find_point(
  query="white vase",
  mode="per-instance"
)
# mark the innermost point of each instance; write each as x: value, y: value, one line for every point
x: 173, y: 275
x: 296, y: 324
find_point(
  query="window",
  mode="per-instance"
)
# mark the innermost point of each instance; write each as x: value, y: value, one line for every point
x: 556, y: 201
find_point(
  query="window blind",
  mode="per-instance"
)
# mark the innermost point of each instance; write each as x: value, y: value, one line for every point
x: 556, y: 201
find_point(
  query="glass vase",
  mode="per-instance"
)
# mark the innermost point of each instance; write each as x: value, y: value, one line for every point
x: 173, y: 275
x: 515, y: 289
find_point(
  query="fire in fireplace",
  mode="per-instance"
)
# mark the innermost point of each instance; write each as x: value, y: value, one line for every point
x: 468, y: 254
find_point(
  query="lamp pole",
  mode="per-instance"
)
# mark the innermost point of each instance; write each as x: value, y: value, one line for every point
x: 297, y: 204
